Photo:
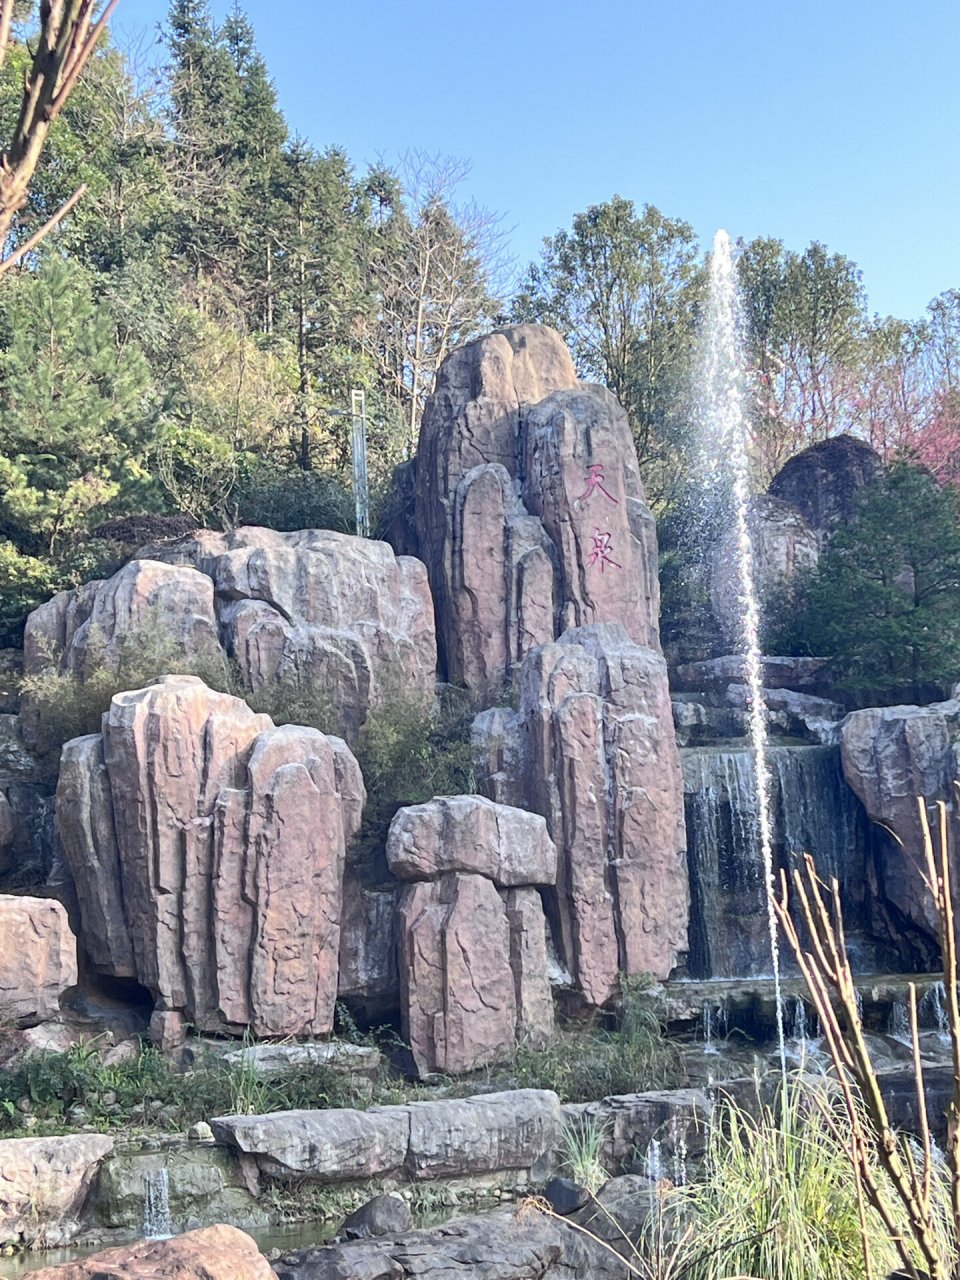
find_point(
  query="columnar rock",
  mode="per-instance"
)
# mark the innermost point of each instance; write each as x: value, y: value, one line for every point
x: 472, y: 934
x: 592, y: 748
x: 313, y: 616
x: 530, y: 511
x: 38, y: 959
x: 824, y: 482
x: 891, y: 757
x: 784, y: 545
x: 208, y: 850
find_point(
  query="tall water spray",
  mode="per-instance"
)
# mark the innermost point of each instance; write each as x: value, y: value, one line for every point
x: 726, y: 428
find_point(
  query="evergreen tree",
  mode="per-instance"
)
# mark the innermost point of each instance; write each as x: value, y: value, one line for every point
x: 884, y: 602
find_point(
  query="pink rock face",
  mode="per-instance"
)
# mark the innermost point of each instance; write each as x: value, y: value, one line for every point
x: 471, y: 834
x: 337, y: 622
x: 213, y: 1253
x: 208, y: 847
x: 891, y: 756
x: 592, y: 749
x: 530, y: 510
x: 38, y: 959
x: 466, y: 988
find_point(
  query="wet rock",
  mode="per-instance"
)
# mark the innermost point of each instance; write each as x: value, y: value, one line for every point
x: 472, y: 973
x: 891, y: 756
x: 808, y: 675
x: 382, y: 1216
x: 530, y: 511
x: 592, y: 749
x: 784, y: 545
x: 676, y: 1118
x: 824, y: 482
x: 38, y: 959
x: 225, y: 900
x: 474, y: 835
x: 214, y: 1253
x: 44, y: 1183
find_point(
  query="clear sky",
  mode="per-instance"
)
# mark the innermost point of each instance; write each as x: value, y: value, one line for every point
x: 801, y: 119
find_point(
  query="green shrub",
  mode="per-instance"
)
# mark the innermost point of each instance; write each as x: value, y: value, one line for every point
x: 289, y: 498
x: 63, y: 705
x: 408, y: 756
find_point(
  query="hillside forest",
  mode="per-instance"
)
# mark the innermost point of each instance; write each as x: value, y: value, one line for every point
x: 184, y: 343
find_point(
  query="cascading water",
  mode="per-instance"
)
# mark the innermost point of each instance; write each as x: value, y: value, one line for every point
x: 156, y: 1205
x: 723, y: 407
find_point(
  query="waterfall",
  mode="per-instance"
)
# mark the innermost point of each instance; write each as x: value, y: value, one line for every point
x: 726, y: 434
x: 812, y: 811
x: 156, y: 1205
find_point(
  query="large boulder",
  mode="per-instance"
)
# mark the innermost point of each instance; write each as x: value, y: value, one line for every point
x: 313, y: 617
x: 824, y: 482
x: 531, y: 514
x: 38, y: 959
x: 316, y: 610
x: 592, y: 749
x: 473, y: 972
x: 892, y: 757
x: 212, y: 1253
x: 44, y: 1183
x: 471, y: 834
x: 784, y: 545
x: 208, y: 849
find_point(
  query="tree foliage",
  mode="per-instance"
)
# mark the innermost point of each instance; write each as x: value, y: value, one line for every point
x: 884, y: 601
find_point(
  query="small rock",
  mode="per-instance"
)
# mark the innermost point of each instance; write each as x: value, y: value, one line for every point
x: 108, y: 1099
x: 564, y: 1195
x: 78, y: 1116
x: 169, y: 1114
x: 200, y: 1131
x: 25, y: 1106
x: 384, y: 1215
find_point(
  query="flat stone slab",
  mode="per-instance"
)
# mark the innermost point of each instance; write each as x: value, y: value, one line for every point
x: 323, y: 1146
x: 270, y: 1059
x: 518, y: 1129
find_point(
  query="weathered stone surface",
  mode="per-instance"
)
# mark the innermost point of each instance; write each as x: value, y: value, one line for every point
x: 318, y: 616
x: 471, y: 834
x: 214, y: 823
x: 891, y: 756
x: 38, y: 958
x: 592, y: 748
x: 530, y: 511
x: 473, y: 975
x: 369, y: 976
x: 43, y: 1185
x: 457, y: 994
x: 83, y: 630
x: 205, y: 1183
x: 676, y: 1118
x: 824, y: 482
x: 504, y: 1245
x: 213, y: 1253
x: 321, y: 1146
x: 784, y: 545
x: 316, y: 610
x: 385, y: 1215
x: 808, y: 675
x: 459, y: 1136
x: 268, y: 1059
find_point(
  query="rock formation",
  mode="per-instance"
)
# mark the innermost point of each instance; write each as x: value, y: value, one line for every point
x: 208, y: 849
x: 783, y: 546
x: 823, y: 482
x: 592, y: 748
x: 38, y: 959
x: 313, y: 615
x: 43, y: 1185
x: 212, y: 1253
x: 530, y: 511
x: 472, y: 933
x: 891, y: 756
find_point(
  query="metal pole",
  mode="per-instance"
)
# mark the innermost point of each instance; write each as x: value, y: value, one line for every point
x: 361, y: 491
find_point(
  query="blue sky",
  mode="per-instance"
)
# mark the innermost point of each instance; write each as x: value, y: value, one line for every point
x: 806, y: 120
